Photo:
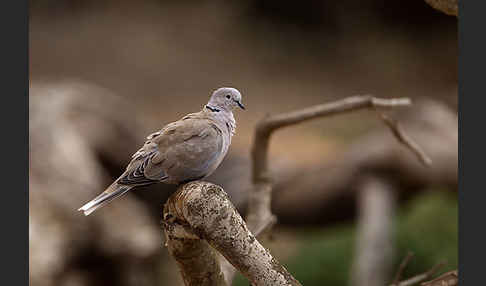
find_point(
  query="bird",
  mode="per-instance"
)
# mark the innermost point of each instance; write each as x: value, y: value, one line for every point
x: 182, y: 151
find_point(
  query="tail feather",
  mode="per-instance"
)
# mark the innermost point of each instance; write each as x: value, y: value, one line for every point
x: 114, y: 191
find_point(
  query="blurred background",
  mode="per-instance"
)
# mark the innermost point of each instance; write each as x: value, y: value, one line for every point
x: 104, y: 74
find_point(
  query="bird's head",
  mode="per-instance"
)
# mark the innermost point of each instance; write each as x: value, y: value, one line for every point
x: 225, y: 98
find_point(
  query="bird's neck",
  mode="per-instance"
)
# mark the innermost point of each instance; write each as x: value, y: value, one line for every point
x: 211, y: 108
x: 224, y: 116
x: 231, y: 123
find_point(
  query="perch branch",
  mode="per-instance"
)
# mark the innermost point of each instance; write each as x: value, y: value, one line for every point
x: 197, y: 261
x: 228, y: 269
x: 200, y: 213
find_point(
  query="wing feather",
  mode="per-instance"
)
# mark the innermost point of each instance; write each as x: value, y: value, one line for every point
x: 191, y: 144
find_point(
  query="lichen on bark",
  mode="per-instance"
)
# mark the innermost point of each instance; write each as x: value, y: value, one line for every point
x: 198, y: 219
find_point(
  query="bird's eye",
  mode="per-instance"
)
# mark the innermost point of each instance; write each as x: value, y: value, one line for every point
x: 228, y: 96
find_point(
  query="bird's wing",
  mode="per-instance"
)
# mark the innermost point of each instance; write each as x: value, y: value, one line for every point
x: 191, y: 143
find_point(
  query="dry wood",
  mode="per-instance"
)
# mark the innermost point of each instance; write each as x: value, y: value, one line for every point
x: 259, y: 212
x: 228, y: 270
x: 260, y: 216
x: 259, y: 208
x: 200, y: 213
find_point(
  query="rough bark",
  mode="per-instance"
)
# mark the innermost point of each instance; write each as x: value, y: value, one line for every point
x: 202, y: 211
x: 197, y: 261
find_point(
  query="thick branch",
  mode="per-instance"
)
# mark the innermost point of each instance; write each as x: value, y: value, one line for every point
x: 197, y: 261
x: 202, y: 211
x: 228, y: 269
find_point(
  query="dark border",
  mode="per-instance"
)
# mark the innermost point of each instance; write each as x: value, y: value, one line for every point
x: 472, y: 142
x: 15, y: 83
x: 15, y: 144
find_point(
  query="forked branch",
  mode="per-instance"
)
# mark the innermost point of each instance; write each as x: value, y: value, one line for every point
x: 259, y: 212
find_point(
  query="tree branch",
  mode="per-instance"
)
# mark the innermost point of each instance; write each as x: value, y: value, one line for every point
x: 408, y: 142
x: 197, y: 261
x: 259, y: 212
x: 259, y: 208
x: 228, y: 269
x: 201, y: 212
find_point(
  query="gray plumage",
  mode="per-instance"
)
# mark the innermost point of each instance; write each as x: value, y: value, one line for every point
x: 185, y: 150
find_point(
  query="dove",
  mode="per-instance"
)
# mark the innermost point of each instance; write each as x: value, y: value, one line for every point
x: 185, y: 150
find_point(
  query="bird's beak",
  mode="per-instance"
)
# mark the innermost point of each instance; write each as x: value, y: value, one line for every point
x: 240, y: 105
